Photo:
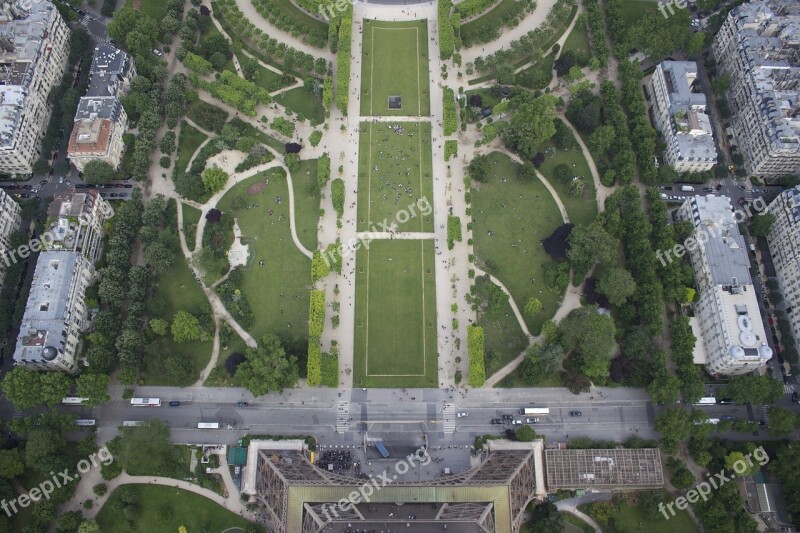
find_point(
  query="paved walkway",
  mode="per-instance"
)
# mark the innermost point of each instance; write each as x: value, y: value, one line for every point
x: 567, y: 507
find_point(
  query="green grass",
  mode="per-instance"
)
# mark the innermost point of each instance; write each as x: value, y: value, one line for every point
x: 580, y: 209
x: 268, y: 80
x: 395, y: 333
x: 300, y: 16
x: 632, y: 517
x: 541, y: 73
x: 634, y: 10
x: 392, y: 154
x: 189, y: 141
x: 194, y: 512
x: 578, y: 42
x: 157, y: 9
x: 504, y: 339
x: 176, y: 291
x: 395, y: 63
x: 306, y: 197
x: 303, y: 103
x: 191, y: 216
x: 530, y: 215
x: 493, y: 17
x: 286, y: 270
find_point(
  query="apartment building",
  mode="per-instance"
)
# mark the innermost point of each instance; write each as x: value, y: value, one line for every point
x: 100, y: 120
x: 100, y: 123
x: 757, y: 46
x: 56, y: 312
x: 784, y: 246
x: 10, y: 220
x: 727, y: 321
x: 680, y: 115
x: 34, y: 46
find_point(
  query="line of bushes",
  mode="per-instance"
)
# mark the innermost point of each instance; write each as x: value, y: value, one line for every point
x: 476, y: 350
x: 323, y: 170
x: 488, y: 27
x: 449, y: 104
x: 597, y: 31
x: 470, y: 8
x: 447, y: 40
x: 643, y: 136
x: 275, y: 12
x: 235, y: 91
x: 314, y: 364
x: 343, y: 46
x: 316, y: 313
x: 337, y: 196
x: 453, y: 231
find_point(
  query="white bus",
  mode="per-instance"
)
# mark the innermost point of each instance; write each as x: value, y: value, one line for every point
x: 73, y: 400
x: 707, y: 400
x: 146, y: 402
x: 132, y: 423
x: 85, y: 422
x: 545, y: 411
x: 208, y: 425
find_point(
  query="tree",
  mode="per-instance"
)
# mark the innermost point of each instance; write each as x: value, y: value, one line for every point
x: 617, y: 284
x: 479, y: 168
x: 682, y: 478
x: 782, y: 421
x: 533, y: 307
x: 758, y: 390
x: 94, y: 387
x: 146, y: 448
x: 214, y: 179
x: 21, y: 388
x: 11, y: 463
x: 665, y: 388
x: 525, y: 433
x: 588, y: 245
x: 531, y: 125
x: 46, y: 450
x: 97, y: 171
x: 159, y: 256
x: 541, y: 359
x: 674, y: 426
x: 563, y: 137
x: 545, y: 518
x: 158, y: 326
x: 267, y: 368
x: 591, y: 335
x: 696, y: 43
x: 736, y: 458
x: 504, y: 73
x: 89, y: 526
x: 760, y: 225
x: 53, y: 386
x: 527, y: 172
x: 167, y: 143
x: 185, y: 327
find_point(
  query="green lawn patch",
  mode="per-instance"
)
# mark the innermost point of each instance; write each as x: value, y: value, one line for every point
x: 278, y: 291
x: 189, y: 141
x: 539, y: 75
x: 306, y: 198
x: 187, y: 509
x: 578, y: 41
x: 581, y: 209
x: 629, y: 515
x: 269, y: 79
x: 157, y: 9
x: 191, y: 216
x: 395, y: 337
x: 635, y: 10
x: 494, y: 17
x: 304, y: 103
x: 510, y: 218
x: 394, y: 172
x: 299, y: 16
x: 395, y: 63
x: 503, y: 338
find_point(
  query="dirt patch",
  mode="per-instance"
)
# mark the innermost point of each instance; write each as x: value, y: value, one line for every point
x: 256, y: 188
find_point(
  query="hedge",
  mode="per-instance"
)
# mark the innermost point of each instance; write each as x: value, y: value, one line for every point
x: 330, y: 369
x: 319, y: 268
x: 283, y: 126
x: 597, y: 29
x: 446, y: 35
x: 235, y: 91
x: 343, y: 60
x: 449, y: 104
x: 450, y: 149
x: 327, y: 94
x: 453, y: 231
x: 197, y: 64
x: 469, y: 8
x: 475, y: 349
x: 314, y: 364
x: 323, y: 170
x: 279, y: 14
x: 316, y: 313
x: 337, y: 196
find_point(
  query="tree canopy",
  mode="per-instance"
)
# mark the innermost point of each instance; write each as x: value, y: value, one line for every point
x: 97, y: 171
x: 531, y: 124
x: 267, y: 368
x: 591, y: 335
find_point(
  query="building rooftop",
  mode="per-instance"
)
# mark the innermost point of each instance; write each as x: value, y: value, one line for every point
x: 98, y: 107
x: 110, y: 66
x: 617, y: 468
x: 41, y: 334
x: 725, y: 252
x: 90, y: 136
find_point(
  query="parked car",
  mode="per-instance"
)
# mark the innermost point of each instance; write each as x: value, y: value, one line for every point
x: 462, y: 414
x: 517, y: 422
x: 531, y: 420
x: 575, y: 413
x: 496, y: 421
x: 174, y: 403
x: 114, y: 195
x: 508, y: 417
x: 242, y: 404
x: 128, y: 186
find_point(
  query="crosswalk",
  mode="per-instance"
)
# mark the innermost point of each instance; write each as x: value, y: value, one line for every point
x: 342, y: 417
x: 788, y: 389
x: 449, y: 418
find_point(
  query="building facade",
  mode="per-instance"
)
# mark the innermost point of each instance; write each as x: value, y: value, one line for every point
x: 727, y: 321
x: 10, y: 219
x: 34, y: 46
x: 757, y: 46
x: 784, y: 246
x: 56, y: 312
x: 101, y: 121
x: 680, y: 115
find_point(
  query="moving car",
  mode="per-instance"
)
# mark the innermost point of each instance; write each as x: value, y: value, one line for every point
x: 496, y: 421
x: 575, y: 413
x: 174, y: 403
x: 461, y: 414
x: 517, y: 422
x: 242, y: 404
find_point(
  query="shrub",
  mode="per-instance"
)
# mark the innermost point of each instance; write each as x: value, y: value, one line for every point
x: 316, y: 313
x: 314, y: 364
x: 330, y: 368
x: 337, y: 196
x: 450, y: 149
x: 323, y: 170
x: 343, y: 60
x: 207, y: 116
x: 319, y: 268
x: 449, y: 104
x: 476, y: 351
x: 446, y: 33
x: 315, y: 137
x: 470, y: 8
x: 283, y: 126
x: 453, y: 231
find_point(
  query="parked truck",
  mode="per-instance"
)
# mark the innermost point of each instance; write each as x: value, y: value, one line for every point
x: 687, y: 188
